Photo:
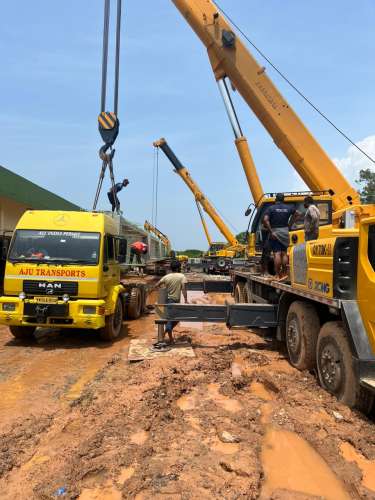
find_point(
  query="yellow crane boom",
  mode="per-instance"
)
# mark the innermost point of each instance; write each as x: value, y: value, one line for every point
x: 162, y: 237
x: 229, y: 57
x: 198, y: 195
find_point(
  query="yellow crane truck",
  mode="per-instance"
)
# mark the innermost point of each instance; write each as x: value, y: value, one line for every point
x: 219, y: 257
x: 63, y: 271
x: 326, y: 313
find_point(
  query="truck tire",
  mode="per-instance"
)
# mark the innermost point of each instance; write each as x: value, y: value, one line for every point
x: 23, y: 332
x: 302, y: 330
x: 238, y: 293
x: 248, y: 294
x: 134, y: 306
x: 335, y: 368
x: 113, y: 323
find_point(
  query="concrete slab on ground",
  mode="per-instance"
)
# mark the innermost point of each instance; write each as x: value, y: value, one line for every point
x: 140, y: 349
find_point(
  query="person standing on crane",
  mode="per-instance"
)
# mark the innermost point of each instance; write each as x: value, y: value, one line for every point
x: 278, y: 218
x: 112, y: 194
x: 311, y: 220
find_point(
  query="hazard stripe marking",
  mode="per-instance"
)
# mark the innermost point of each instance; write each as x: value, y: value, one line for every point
x: 107, y: 120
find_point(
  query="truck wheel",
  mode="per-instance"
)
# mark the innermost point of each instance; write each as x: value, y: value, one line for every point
x: 238, y: 293
x: 134, y: 306
x: 248, y: 294
x: 302, y: 329
x: 23, y: 332
x: 335, y: 368
x: 113, y: 323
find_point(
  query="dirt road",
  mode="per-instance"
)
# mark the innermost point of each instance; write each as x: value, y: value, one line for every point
x: 235, y: 421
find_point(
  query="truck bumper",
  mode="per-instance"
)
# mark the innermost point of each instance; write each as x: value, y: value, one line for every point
x: 87, y: 314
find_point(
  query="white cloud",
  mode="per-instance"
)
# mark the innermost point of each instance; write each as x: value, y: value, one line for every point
x: 354, y: 160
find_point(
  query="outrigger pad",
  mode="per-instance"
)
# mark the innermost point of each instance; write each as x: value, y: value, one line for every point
x: 140, y: 349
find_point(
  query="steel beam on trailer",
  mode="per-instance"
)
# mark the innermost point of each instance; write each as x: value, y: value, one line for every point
x: 210, y: 286
x: 246, y: 315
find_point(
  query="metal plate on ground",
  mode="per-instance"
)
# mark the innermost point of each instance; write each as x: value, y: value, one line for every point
x: 139, y: 349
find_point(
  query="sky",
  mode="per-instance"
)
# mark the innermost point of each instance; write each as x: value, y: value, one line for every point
x: 50, y: 98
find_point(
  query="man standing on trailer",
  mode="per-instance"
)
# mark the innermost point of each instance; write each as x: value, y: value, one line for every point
x: 137, y: 249
x: 112, y: 196
x: 278, y: 218
x: 311, y: 220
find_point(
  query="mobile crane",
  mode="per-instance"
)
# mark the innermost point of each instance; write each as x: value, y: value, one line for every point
x: 325, y: 315
x: 219, y: 255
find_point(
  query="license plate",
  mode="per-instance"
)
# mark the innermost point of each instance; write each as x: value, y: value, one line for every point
x: 46, y: 300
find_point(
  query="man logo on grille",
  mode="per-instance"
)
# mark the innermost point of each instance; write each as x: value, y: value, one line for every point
x: 49, y: 287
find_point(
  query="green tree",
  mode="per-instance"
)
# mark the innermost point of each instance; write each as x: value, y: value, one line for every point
x: 191, y: 253
x: 366, y: 182
x: 242, y: 237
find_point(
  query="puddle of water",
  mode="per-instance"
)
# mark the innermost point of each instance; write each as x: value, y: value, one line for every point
x: 107, y: 492
x: 194, y: 423
x: 186, y: 403
x: 266, y: 410
x: 259, y: 390
x: 76, y: 389
x: 290, y: 463
x: 36, y: 460
x: 229, y: 404
x: 125, y: 474
x: 139, y: 438
x: 224, y: 448
x: 367, y: 466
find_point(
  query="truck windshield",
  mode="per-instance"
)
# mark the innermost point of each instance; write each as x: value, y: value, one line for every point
x: 63, y: 247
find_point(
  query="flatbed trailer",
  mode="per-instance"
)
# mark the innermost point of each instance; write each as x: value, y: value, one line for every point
x: 321, y: 334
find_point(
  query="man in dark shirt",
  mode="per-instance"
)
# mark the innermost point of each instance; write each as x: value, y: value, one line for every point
x: 112, y: 196
x: 278, y: 218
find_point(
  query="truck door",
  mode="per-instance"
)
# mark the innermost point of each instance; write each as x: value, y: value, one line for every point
x: 111, y: 270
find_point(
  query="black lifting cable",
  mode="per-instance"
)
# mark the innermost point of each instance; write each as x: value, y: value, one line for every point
x: 108, y: 121
x: 286, y: 79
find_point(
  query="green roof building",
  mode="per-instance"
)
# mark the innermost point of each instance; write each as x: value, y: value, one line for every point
x: 18, y: 194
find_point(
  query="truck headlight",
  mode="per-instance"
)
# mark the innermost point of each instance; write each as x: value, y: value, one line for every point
x: 89, y: 309
x: 65, y: 297
x: 22, y: 295
x: 9, y: 306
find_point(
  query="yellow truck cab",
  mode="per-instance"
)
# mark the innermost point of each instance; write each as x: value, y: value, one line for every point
x: 63, y: 270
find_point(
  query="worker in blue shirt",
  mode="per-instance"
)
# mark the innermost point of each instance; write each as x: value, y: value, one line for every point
x: 278, y: 219
x: 112, y: 196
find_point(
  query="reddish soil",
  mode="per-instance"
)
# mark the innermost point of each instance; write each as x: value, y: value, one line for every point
x: 236, y: 421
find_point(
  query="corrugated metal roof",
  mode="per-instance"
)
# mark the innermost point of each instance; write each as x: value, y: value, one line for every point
x: 27, y: 193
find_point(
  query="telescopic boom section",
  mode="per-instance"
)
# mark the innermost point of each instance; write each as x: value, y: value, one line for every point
x: 199, y: 196
x: 162, y: 237
x: 230, y: 58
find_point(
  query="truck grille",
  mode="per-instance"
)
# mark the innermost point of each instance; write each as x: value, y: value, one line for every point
x: 59, y: 288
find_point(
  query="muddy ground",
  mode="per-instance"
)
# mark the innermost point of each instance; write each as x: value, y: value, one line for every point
x: 236, y: 421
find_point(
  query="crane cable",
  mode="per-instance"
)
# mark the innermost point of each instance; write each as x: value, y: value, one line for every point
x: 108, y: 122
x: 282, y: 75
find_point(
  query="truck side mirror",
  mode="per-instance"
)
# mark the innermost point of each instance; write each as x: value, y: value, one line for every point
x: 248, y: 212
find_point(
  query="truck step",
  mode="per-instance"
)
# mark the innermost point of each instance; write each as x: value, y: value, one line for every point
x: 368, y: 383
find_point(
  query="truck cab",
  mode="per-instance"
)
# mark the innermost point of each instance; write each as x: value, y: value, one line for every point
x: 63, y: 270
